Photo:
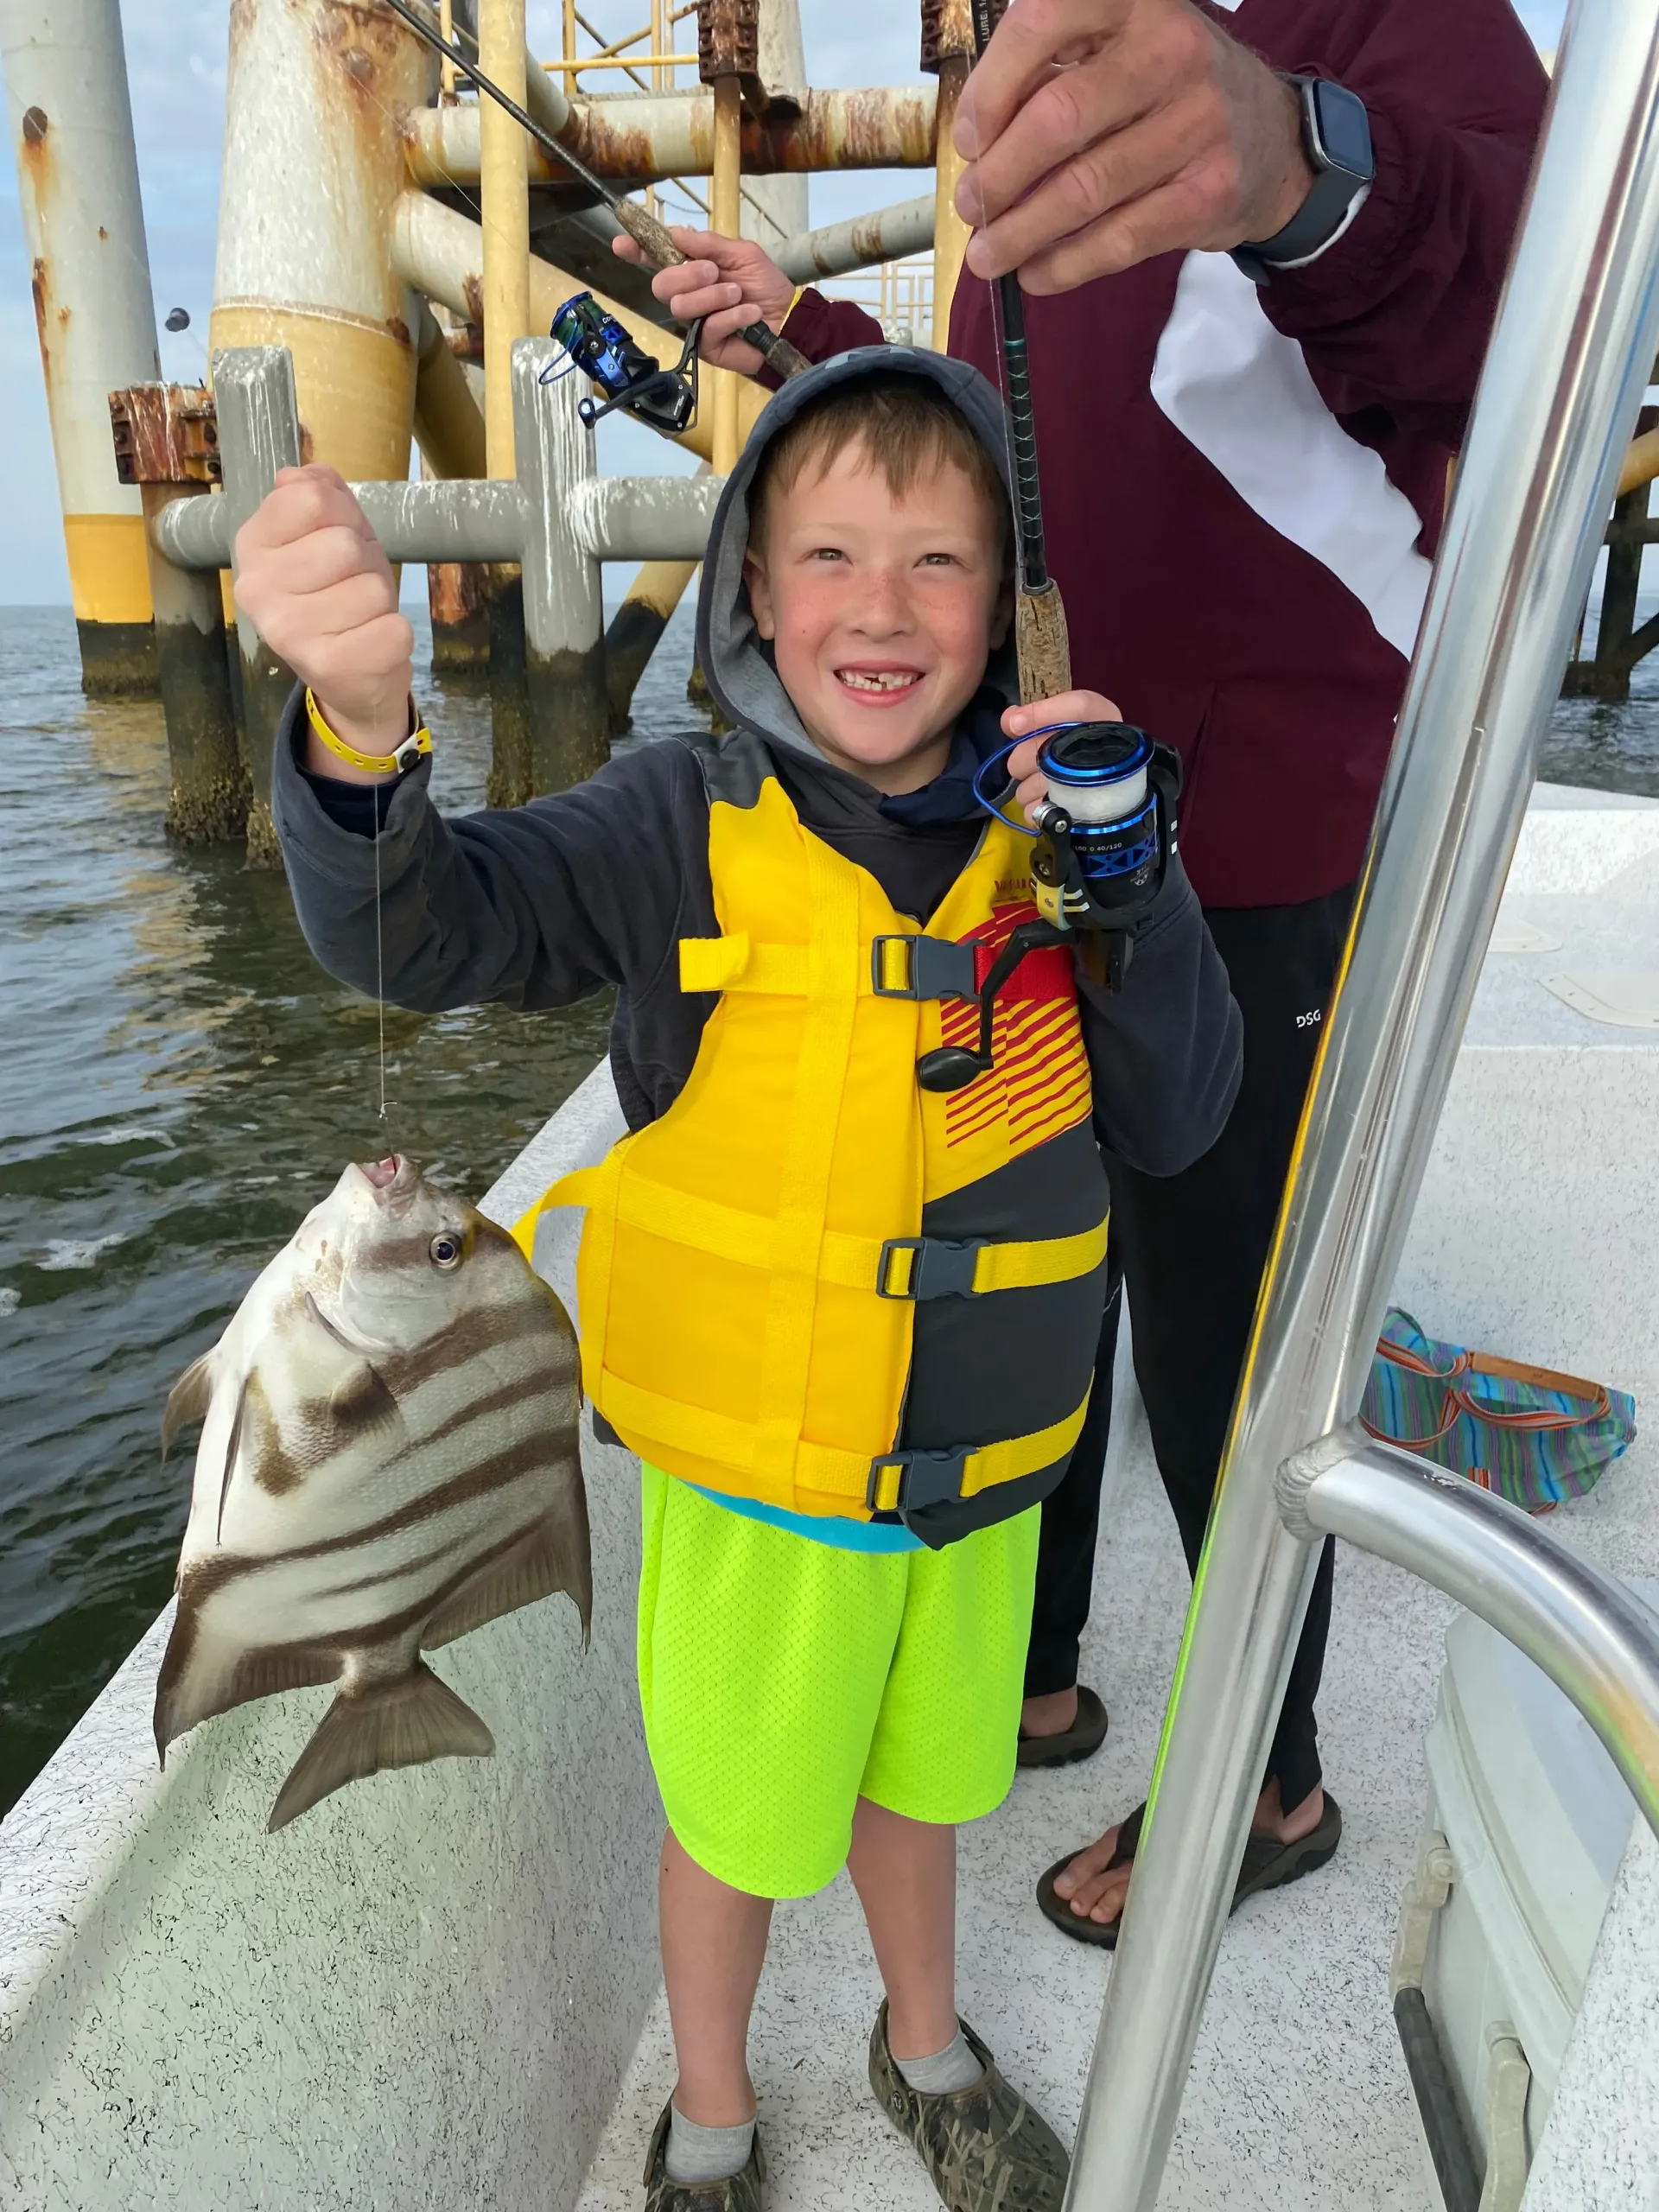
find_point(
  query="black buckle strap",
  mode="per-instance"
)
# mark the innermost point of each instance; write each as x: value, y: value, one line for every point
x: 924, y: 1478
x: 937, y: 969
x: 938, y: 1268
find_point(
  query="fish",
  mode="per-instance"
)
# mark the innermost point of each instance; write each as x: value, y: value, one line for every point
x: 390, y: 1457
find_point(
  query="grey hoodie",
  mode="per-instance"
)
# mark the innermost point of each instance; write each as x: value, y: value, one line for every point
x: 539, y: 905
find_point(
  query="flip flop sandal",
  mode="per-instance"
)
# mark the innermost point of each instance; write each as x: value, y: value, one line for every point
x: 1080, y: 1741
x: 1268, y: 1864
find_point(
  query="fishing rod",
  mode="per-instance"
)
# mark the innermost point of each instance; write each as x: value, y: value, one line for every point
x: 1039, y: 613
x: 647, y: 233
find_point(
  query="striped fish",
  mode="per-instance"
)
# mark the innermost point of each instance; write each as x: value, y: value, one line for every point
x: 389, y: 1457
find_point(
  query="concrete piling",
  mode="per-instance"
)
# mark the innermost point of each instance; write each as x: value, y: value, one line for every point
x: 568, y: 717
x: 71, y: 122
x: 635, y: 630
x: 258, y: 433
x: 166, y: 443
x: 313, y: 167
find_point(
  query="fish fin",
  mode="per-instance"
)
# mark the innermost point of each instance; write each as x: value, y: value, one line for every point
x: 553, y: 1556
x: 230, y: 1461
x: 195, y: 1686
x: 361, y: 1400
x: 188, y: 1399
x: 403, y: 1723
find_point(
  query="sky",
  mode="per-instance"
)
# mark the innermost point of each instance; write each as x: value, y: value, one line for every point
x: 175, y: 64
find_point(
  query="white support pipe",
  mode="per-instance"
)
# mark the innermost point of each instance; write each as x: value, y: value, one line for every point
x: 645, y: 518
x: 861, y: 242
x: 71, y: 122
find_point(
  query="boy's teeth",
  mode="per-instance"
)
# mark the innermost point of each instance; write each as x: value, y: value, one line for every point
x: 888, y: 680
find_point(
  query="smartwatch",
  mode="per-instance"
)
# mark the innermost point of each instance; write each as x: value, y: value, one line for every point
x: 1336, y: 139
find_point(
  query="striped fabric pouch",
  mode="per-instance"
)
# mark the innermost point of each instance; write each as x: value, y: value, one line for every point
x: 1531, y: 1435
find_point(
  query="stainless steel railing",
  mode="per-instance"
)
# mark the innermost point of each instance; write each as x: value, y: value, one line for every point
x: 1569, y: 358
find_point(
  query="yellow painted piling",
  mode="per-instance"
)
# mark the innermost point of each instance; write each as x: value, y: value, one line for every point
x: 505, y: 193
x: 948, y: 52
x: 726, y: 216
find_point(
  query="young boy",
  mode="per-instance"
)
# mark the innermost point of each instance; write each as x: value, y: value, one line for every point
x: 847, y: 1321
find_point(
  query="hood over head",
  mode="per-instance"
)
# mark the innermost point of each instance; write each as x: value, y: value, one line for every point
x: 736, y: 662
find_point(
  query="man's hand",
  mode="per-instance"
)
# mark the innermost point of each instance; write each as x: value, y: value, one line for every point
x: 315, y: 582
x: 1099, y: 132
x: 729, y: 280
x: 1031, y: 788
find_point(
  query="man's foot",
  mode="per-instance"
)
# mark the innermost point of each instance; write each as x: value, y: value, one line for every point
x: 1083, y: 1896
x: 741, y: 2193
x: 984, y: 2146
x: 1061, y: 1728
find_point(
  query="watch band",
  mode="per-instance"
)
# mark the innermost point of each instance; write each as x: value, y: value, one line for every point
x: 1336, y: 139
x: 419, y: 742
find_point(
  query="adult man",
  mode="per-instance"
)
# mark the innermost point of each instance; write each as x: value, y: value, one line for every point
x: 1243, y: 465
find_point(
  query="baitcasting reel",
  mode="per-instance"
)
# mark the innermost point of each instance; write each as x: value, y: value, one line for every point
x: 597, y: 344
x: 1101, y: 855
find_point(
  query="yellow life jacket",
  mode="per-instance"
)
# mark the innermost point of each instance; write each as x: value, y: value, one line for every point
x: 812, y: 1282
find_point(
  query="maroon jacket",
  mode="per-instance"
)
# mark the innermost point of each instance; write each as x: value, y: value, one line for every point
x: 1243, y: 487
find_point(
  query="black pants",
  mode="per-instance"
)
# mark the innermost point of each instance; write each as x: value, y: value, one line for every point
x: 1191, y: 1248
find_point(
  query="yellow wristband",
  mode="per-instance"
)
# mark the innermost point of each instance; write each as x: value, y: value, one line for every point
x: 419, y: 742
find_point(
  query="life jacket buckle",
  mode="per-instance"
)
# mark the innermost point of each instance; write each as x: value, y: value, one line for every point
x: 937, y: 968
x: 938, y: 1268
x: 922, y: 1479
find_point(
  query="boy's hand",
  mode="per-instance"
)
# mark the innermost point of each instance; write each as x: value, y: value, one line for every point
x: 315, y: 582
x: 1031, y: 788
x: 729, y: 280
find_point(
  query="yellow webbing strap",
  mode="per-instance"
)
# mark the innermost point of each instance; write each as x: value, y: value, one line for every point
x: 822, y: 1469
x: 983, y: 1470
x: 706, y: 1225
x: 833, y: 979
x: 737, y: 964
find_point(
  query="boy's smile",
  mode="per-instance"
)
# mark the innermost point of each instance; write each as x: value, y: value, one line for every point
x: 881, y: 612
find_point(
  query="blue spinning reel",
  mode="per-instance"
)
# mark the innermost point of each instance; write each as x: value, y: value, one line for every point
x: 596, y: 343
x: 1103, y: 836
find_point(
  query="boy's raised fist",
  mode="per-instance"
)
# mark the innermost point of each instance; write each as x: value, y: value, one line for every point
x: 315, y: 581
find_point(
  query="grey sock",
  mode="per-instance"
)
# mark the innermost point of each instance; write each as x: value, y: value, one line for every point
x: 953, y: 2068
x: 703, y: 2154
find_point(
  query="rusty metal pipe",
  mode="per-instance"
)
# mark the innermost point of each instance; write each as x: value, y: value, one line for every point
x: 862, y: 242
x: 642, y: 137
x: 83, y: 227
x: 448, y: 422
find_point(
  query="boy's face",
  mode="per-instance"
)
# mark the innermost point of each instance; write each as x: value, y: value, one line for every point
x: 881, y: 612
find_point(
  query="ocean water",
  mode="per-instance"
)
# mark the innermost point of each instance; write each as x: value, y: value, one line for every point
x: 179, y: 1082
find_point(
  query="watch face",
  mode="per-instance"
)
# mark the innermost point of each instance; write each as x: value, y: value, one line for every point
x: 1344, y: 133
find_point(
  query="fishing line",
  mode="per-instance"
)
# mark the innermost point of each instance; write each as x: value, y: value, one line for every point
x: 379, y: 950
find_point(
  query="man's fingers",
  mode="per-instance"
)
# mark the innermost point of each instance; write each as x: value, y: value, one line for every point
x: 1025, y: 46
x: 1071, y: 111
x: 1163, y: 221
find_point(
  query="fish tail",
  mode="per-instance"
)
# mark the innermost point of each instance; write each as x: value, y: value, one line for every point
x: 403, y: 1723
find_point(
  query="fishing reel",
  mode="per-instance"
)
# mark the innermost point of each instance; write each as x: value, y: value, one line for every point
x: 596, y: 343
x: 1104, y: 835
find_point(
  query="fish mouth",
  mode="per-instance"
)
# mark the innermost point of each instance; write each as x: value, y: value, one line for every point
x: 391, y: 1177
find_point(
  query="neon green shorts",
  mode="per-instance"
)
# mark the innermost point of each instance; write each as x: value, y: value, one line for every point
x: 783, y: 1678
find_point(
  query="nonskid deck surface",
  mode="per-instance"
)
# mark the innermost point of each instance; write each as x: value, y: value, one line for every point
x: 1298, y: 2099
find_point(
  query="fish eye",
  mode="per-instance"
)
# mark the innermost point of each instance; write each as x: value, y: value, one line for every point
x: 445, y: 1249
